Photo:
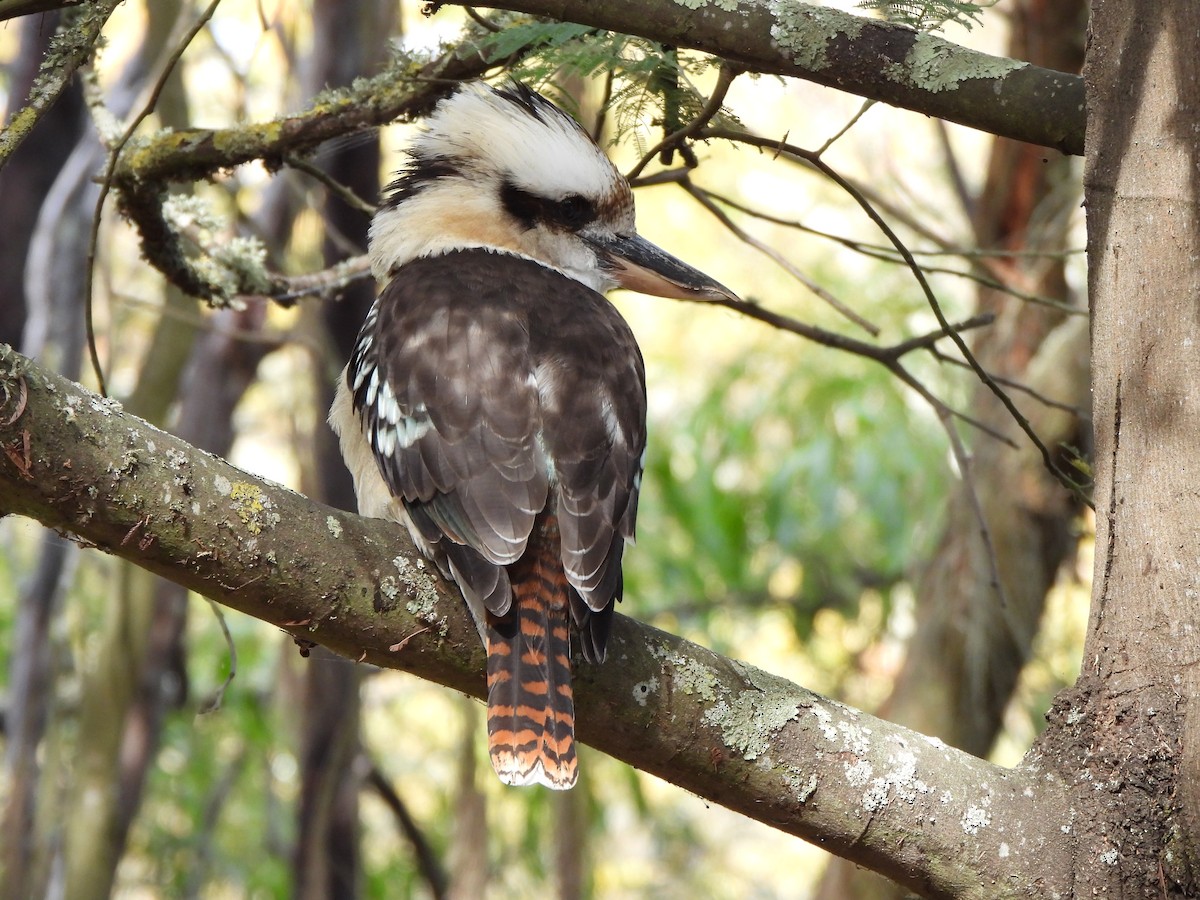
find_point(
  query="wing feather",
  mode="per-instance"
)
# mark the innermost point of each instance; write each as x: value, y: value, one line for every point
x: 490, y: 386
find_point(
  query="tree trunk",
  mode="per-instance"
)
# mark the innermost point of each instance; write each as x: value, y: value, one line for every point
x: 1128, y: 734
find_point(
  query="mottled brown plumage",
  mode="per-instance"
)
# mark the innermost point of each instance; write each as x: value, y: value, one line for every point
x: 495, y: 402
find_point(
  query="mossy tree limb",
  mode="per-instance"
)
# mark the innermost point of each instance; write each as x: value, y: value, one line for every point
x: 736, y: 735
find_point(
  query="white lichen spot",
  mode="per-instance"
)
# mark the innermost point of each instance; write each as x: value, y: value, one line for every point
x: 223, y: 485
x: 803, y: 789
x: 946, y: 798
x: 936, y: 742
x: 642, y: 691
x: 334, y: 526
x: 418, y: 584
x: 105, y: 406
x: 195, y: 507
x: 692, y: 677
x: 1003, y: 850
x: 859, y: 773
x: 1109, y: 857
x: 825, y: 722
x: 725, y: 5
x: 976, y: 818
x: 856, y: 737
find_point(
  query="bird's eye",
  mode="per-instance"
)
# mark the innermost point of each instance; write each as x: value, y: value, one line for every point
x: 574, y: 211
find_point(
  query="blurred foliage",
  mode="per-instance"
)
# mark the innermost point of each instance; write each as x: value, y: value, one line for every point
x: 782, y: 486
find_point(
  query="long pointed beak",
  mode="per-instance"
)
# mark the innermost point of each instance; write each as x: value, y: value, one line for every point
x: 639, y: 265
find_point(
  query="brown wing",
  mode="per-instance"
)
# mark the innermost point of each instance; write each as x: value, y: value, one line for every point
x: 489, y: 385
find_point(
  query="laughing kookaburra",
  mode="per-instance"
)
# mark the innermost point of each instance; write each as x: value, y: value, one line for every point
x: 495, y: 403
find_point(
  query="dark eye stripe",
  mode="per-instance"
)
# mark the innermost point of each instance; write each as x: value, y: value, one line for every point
x: 569, y: 214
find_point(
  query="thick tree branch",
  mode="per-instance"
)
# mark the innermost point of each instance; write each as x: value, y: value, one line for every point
x: 876, y: 793
x: 868, y: 57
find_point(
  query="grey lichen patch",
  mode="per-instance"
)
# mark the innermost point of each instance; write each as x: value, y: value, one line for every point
x: 692, y: 677
x: 936, y: 65
x: 333, y: 526
x: 751, y: 719
x: 802, y: 788
x: 978, y: 815
x: 105, y: 406
x: 803, y: 32
x: 976, y: 818
x: 899, y: 782
x: 419, y: 586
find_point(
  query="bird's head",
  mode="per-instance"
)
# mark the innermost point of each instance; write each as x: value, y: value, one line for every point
x: 507, y: 170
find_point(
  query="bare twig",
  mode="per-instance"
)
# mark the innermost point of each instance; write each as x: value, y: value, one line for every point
x: 1065, y: 478
x: 214, y: 702
x: 782, y: 261
x: 862, y: 111
x: 347, y: 196
x: 481, y: 21
x: 427, y: 861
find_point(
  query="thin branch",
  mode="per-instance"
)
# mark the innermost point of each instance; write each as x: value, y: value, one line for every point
x: 334, y: 186
x: 428, y: 864
x: 778, y: 258
x: 862, y: 111
x: 1063, y: 477
x: 479, y: 20
x: 71, y: 47
x: 1015, y: 385
x: 978, y: 256
x: 214, y: 702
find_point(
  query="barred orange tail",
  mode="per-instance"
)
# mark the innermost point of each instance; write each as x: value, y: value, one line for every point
x: 531, y: 710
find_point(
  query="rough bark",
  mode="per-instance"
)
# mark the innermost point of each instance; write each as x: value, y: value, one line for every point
x: 883, y: 795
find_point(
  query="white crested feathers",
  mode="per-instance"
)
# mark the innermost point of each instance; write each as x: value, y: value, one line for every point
x: 491, y: 138
x: 547, y: 154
